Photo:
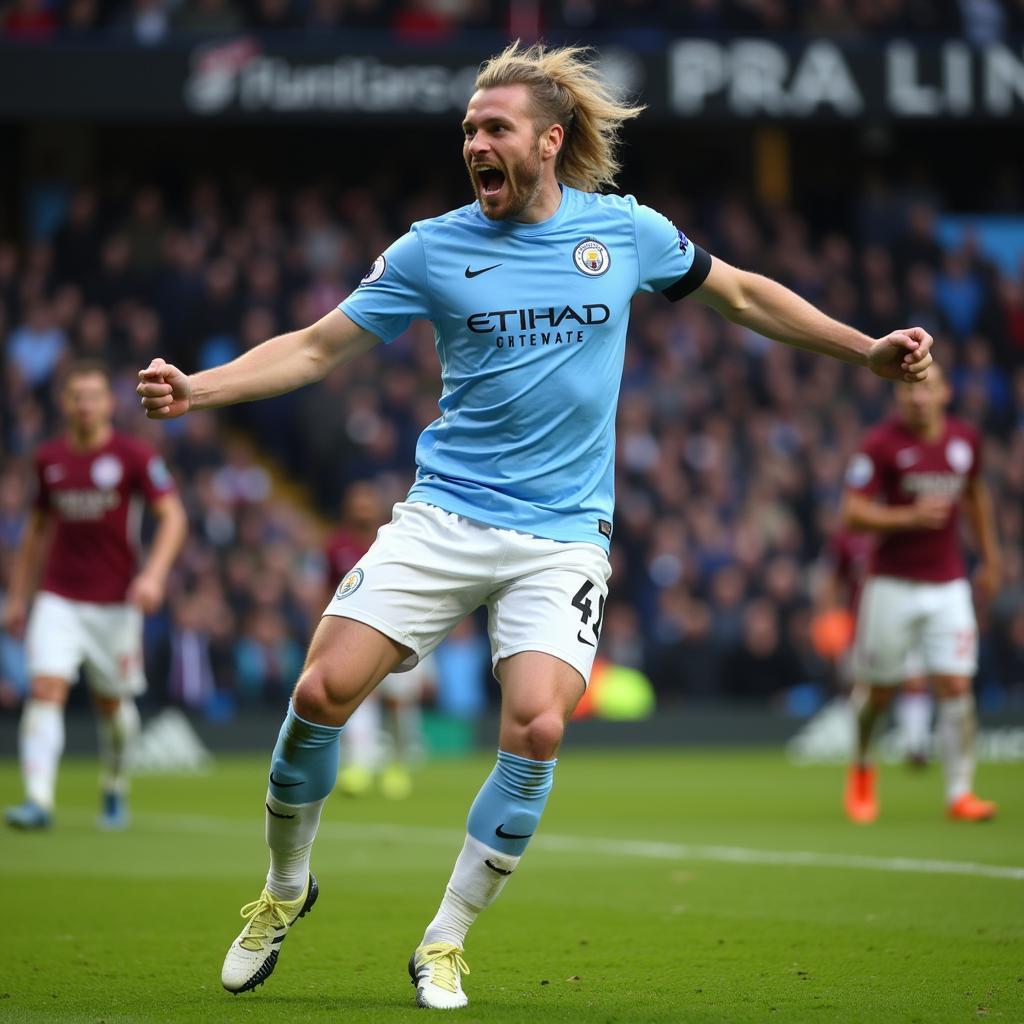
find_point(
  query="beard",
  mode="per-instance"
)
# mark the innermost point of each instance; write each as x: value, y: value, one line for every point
x: 521, y: 187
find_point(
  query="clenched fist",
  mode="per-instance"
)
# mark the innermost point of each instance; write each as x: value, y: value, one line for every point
x: 165, y: 391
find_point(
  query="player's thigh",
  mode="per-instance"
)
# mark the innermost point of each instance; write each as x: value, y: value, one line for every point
x: 949, y: 639
x: 55, y: 638
x: 345, y: 662
x: 887, y: 628
x: 425, y: 572
x: 538, y: 694
x: 553, y: 604
x: 113, y: 650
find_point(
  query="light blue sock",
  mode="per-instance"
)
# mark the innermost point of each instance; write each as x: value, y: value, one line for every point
x: 508, y: 807
x: 304, y: 765
x: 303, y: 771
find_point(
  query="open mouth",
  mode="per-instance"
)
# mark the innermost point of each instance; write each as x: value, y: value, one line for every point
x: 490, y: 178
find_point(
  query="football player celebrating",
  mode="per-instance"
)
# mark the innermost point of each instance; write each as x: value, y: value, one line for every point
x: 529, y: 289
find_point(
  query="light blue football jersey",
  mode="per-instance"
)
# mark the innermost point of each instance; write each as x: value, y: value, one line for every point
x: 530, y: 326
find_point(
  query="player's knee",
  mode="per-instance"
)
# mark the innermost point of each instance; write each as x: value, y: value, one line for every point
x: 541, y: 736
x: 323, y: 696
x: 49, y: 689
x: 107, y: 706
x: 881, y: 696
x: 948, y: 687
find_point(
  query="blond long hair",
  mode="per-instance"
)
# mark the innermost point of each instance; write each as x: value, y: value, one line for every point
x: 567, y: 89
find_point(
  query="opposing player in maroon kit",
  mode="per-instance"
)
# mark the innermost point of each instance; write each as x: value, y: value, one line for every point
x: 908, y: 483
x: 88, y: 612
x: 846, y: 565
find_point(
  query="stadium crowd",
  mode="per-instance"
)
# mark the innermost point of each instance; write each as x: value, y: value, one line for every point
x: 731, y: 449
x: 152, y: 22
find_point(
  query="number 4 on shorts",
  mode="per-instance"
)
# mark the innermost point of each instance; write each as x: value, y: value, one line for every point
x: 586, y: 609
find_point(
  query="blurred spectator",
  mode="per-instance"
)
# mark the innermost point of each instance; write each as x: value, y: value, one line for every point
x: 147, y: 22
x: 981, y: 22
x: 210, y: 17
x: 29, y: 21
x: 959, y: 293
x: 267, y: 659
x: 35, y: 347
x: 764, y: 664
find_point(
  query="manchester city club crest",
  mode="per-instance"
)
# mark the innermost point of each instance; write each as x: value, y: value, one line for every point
x: 350, y: 584
x: 591, y: 257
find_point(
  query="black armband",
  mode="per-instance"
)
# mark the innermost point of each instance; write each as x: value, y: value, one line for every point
x: 693, y: 278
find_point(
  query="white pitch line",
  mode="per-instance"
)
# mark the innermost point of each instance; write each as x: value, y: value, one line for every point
x: 643, y: 849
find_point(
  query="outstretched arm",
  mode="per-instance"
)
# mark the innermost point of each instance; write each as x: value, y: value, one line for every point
x: 281, y: 364
x: 776, y: 312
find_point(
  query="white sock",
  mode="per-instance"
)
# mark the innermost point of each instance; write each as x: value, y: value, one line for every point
x: 957, y: 726
x: 41, y: 742
x: 914, y: 719
x: 291, y: 829
x: 479, y: 876
x: 117, y: 735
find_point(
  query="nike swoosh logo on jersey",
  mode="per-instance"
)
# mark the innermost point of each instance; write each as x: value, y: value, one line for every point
x: 582, y: 639
x: 502, y: 834
x: 483, y: 270
x: 283, y: 785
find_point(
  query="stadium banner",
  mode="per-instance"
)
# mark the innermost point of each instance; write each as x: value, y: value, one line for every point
x: 756, y: 79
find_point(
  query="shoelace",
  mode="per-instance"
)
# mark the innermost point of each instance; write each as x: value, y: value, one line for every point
x: 446, y: 959
x: 263, y: 915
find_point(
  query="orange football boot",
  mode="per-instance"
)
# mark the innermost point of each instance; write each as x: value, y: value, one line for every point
x: 971, y: 808
x: 861, y: 801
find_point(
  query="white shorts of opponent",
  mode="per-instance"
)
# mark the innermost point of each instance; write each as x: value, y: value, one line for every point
x: 897, y: 617
x: 103, y: 639
x: 429, y: 568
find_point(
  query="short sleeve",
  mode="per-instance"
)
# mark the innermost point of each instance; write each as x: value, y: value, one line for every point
x: 156, y: 478
x: 152, y: 476
x: 864, y: 471
x: 669, y: 261
x: 394, y: 292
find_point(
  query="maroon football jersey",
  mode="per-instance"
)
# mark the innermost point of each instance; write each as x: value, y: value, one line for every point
x: 95, y: 501
x: 897, y: 466
x: 344, y: 548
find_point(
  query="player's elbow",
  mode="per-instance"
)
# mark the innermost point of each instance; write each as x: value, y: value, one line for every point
x: 737, y: 301
x: 316, y: 350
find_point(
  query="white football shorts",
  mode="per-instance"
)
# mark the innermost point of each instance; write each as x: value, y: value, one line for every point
x: 899, y: 616
x: 428, y: 569
x: 103, y: 639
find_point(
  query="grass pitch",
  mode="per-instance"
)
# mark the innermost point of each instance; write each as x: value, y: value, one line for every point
x: 663, y: 887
